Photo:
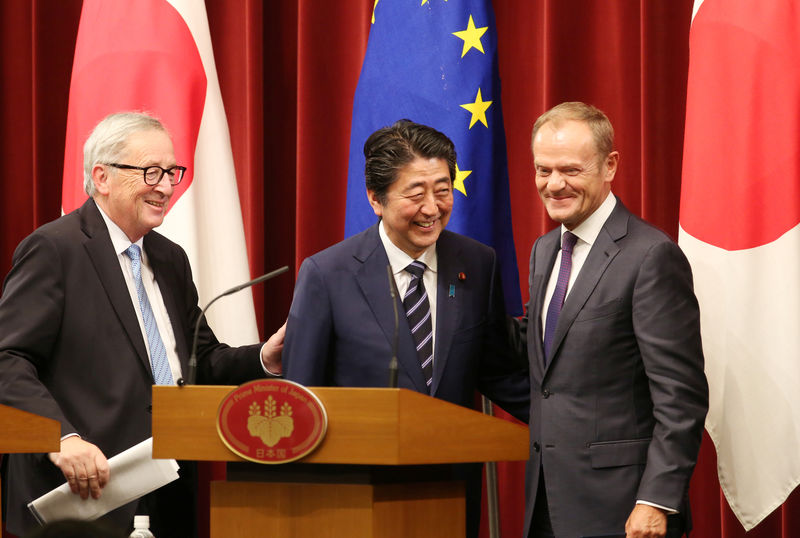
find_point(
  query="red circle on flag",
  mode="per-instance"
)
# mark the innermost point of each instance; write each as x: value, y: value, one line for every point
x: 741, y: 162
x: 271, y: 421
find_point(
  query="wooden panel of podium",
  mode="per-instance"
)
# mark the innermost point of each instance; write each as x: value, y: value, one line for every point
x: 25, y: 432
x: 379, y: 472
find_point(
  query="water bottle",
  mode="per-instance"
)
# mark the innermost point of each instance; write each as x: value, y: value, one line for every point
x: 141, y: 527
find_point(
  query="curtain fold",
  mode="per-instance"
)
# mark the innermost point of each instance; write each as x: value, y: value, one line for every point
x: 288, y: 72
x: 331, y: 41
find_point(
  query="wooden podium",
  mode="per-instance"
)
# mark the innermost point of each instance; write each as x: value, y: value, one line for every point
x: 367, y: 429
x: 25, y: 432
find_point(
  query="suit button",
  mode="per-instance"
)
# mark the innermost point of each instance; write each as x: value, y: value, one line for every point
x: 149, y: 408
x: 536, y: 446
x: 545, y: 394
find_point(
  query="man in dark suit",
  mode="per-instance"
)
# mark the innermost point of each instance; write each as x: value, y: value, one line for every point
x: 451, y: 338
x: 96, y: 309
x: 618, y: 393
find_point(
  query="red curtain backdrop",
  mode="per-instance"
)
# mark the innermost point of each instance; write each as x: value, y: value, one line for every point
x: 288, y: 71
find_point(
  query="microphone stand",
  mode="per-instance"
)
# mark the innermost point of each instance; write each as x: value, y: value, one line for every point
x: 191, y: 372
x: 393, y: 361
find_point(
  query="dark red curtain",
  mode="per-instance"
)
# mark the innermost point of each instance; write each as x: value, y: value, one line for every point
x: 288, y: 72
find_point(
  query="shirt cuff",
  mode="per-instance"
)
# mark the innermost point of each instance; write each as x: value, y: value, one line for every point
x: 669, y: 511
x: 263, y: 367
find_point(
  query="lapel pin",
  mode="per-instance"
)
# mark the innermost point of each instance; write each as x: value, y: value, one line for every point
x: 462, y: 277
x: 452, y: 291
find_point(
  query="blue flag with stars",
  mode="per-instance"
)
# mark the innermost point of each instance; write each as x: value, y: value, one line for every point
x: 435, y: 62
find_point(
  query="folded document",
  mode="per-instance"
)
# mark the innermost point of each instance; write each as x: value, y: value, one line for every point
x: 134, y: 473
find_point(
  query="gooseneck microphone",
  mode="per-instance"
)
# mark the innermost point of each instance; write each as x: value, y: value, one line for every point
x: 393, y: 361
x: 191, y: 372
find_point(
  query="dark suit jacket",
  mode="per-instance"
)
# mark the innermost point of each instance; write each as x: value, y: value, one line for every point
x: 71, y: 348
x: 617, y: 415
x: 341, y: 324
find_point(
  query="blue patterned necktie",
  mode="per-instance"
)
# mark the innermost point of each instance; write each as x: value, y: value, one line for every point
x: 554, y: 309
x: 158, y: 354
x: 418, y: 311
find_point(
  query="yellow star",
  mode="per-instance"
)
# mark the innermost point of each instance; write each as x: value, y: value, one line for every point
x: 373, y: 11
x: 471, y: 37
x: 478, y: 110
x: 458, y: 184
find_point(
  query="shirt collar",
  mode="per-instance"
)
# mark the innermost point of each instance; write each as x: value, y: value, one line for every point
x: 399, y: 260
x: 588, y: 230
x: 119, y: 240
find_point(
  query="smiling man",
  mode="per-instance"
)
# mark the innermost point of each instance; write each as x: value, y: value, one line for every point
x: 612, y: 333
x: 451, y: 331
x: 95, y: 310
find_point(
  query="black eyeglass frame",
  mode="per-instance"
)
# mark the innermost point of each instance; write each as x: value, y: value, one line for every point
x: 171, y: 175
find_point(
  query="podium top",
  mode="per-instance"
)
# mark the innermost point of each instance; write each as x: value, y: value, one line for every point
x: 27, y: 432
x: 366, y: 426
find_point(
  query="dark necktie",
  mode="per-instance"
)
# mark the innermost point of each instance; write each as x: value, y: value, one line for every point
x: 568, y: 241
x: 158, y: 354
x: 418, y: 312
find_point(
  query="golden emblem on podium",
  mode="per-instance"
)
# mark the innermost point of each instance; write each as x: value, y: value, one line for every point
x: 269, y: 426
x: 271, y: 421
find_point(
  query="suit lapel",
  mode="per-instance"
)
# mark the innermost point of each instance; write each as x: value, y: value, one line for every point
x: 373, y: 279
x: 600, y: 256
x: 163, y: 270
x: 448, y: 306
x: 101, y: 252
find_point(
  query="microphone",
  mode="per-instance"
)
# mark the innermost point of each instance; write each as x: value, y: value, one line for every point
x: 393, y: 361
x: 191, y: 372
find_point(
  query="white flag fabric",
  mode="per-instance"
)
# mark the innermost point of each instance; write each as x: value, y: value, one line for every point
x: 156, y: 56
x: 740, y: 229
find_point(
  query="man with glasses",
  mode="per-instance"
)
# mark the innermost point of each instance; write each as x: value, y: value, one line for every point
x: 96, y: 309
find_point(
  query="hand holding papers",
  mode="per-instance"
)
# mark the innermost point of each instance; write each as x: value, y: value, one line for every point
x: 134, y: 473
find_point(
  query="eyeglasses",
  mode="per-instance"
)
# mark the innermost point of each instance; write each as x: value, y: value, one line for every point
x: 154, y: 174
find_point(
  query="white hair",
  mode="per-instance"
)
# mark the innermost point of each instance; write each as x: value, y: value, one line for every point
x: 108, y: 141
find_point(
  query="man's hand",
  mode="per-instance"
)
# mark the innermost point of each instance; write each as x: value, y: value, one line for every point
x: 646, y: 522
x: 271, y: 352
x: 84, y: 466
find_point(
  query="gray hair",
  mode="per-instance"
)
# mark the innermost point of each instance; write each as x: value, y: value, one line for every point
x: 109, y: 138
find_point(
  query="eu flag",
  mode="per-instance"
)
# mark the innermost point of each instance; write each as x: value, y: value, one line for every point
x: 435, y: 62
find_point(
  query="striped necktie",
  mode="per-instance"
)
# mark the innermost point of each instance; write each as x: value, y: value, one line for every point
x: 418, y: 312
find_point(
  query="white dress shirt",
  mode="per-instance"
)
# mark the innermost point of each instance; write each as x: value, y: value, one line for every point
x: 399, y: 260
x: 121, y: 244
x: 587, y: 232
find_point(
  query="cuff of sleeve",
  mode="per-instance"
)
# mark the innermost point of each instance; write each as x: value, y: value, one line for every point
x: 263, y: 366
x: 669, y: 511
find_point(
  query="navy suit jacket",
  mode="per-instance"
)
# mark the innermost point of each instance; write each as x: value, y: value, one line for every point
x: 617, y: 414
x: 341, y: 324
x: 71, y: 348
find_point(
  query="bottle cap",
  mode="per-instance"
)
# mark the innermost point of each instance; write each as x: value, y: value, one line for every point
x: 141, y: 522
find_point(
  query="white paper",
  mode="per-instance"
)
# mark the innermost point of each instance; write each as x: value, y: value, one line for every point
x: 133, y: 473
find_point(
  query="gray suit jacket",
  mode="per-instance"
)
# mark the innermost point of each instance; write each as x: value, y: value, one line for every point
x: 617, y: 415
